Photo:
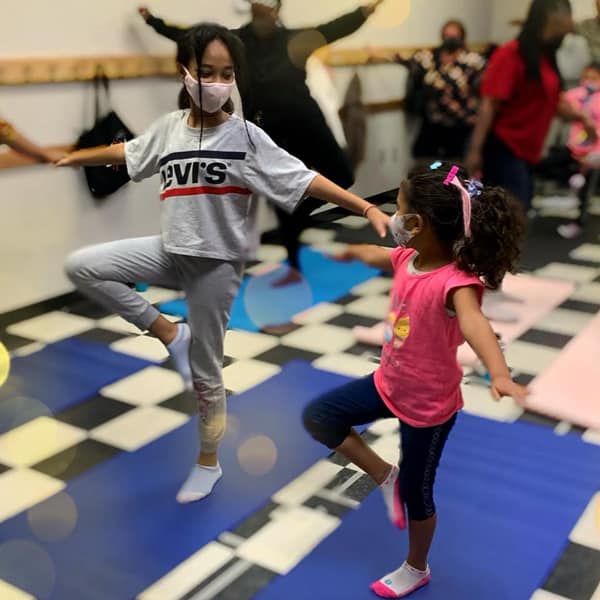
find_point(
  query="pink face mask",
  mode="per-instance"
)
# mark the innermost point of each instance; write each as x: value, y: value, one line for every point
x: 214, y: 95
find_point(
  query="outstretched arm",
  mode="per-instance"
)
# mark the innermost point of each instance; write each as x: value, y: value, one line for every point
x: 95, y: 157
x: 377, y: 257
x: 173, y: 32
x: 306, y: 41
x: 324, y: 189
x: 480, y: 336
x: 18, y: 142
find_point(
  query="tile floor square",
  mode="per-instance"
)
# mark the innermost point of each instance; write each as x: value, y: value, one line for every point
x: 318, y: 314
x: 345, y: 364
x: 20, y: 489
x: 577, y: 573
x: 320, y: 338
x: 372, y: 287
x: 146, y: 387
x: 245, y: 374
x: 375, y: 307
x: 36, y: 440
x: 587, y: 530
x: 566, y: 272
x: 139, y: 427
x: 93, y: 412
x: 246, y: 344
x: 142, y: 346
x: 586, y: 252
x: 76, y: 460
x: 51, y: 327
x: 566, y: 322
x: 530, y: 358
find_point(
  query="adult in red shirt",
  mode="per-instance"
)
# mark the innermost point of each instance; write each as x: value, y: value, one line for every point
x: 521, y: 94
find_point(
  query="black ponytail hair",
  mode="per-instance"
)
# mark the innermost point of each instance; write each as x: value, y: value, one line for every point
x: 497, y: 222
x: 530, y: 36
x: 192, y: 45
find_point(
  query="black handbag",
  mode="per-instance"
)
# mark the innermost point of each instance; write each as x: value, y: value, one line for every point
x: 108, y: 129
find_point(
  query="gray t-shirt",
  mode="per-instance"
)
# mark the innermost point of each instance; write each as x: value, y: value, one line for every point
x: 209, y: 197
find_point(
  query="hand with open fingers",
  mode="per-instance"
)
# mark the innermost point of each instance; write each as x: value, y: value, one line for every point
x: 379, y: 221
x: 65, y: 161
x: 53, y: 155
x: 370, y: 8
x: 505, y: 386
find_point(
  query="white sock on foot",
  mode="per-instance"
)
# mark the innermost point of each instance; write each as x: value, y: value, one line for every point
x: 179, y: 350
x: 401, y: 582
x: 200, y: 483
x: 391, y: 497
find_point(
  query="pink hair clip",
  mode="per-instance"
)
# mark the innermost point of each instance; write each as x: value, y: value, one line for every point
x: 452, y: 179
x: 451, y: 175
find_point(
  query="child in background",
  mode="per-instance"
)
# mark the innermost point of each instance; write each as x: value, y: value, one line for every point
x: 451, y: 234
x: 585, y: 98
x: 212, y: 165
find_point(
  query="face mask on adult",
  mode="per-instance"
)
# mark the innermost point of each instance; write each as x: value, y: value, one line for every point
x: 452, y: 44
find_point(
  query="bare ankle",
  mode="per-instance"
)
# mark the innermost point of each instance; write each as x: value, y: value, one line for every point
x: 208, y: 459
x: 383, y: 474
x: 420, y: 565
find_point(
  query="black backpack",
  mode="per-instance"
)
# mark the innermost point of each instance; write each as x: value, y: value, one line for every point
x: 109, y: 129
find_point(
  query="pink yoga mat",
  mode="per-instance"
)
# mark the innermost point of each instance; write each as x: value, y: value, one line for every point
x: 539, y: 296
x: 570, y: 389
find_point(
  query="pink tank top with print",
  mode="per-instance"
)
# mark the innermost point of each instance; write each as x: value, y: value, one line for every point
x: 419, y: 376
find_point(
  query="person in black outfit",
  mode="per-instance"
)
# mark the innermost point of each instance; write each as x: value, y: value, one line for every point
x: 280, y: 101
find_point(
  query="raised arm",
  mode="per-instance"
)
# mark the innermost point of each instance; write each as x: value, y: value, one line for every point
x: 95, y: 157
x: 173, y: 32
x: 305, y: 42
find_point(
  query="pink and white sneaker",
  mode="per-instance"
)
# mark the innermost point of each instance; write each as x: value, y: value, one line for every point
x: 401, y: 582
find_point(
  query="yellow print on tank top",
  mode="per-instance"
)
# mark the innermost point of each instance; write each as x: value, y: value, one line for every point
x: 397, y: 327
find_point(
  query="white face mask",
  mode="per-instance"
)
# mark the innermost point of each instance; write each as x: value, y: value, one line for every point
x: 214, y: 95
x: 398, y: 229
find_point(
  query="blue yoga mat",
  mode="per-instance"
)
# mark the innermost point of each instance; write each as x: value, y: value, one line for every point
x: 130, y: 531
x: 327, y: 278
x: 59, y: 376
x: 507, y: 498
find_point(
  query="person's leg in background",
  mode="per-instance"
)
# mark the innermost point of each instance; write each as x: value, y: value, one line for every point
x: 584, y: 187
x: 210, y: 287
x: 502, y: 168
x: 313, y: 143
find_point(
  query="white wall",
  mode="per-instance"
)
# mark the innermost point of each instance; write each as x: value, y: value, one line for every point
x: 48, y: 213
x: 503, y: 11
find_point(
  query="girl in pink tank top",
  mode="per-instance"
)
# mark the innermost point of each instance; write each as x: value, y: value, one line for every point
x: 453, y: 238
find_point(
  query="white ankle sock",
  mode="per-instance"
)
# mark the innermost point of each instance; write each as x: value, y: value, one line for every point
x: 401, y: 582
x: 179, y: 350
x: 391, y: 497
x: 200, y: 483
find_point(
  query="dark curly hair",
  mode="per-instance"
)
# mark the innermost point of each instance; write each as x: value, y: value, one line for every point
x: 497, y: 222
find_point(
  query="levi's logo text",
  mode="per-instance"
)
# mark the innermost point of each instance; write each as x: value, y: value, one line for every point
x: 199, y: 172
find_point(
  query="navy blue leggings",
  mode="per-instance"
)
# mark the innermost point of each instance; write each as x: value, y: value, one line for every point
x: 330, y: 418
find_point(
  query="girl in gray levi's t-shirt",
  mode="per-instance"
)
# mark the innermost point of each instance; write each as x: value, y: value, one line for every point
x: 207, y: 197
x: 211, y: 165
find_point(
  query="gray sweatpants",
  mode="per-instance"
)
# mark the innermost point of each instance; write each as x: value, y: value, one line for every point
x: 102, y: 273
